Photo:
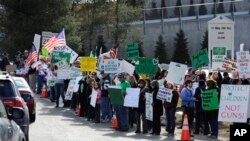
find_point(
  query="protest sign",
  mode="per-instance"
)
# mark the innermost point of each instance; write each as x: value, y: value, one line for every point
x: 132, y: 97
x: 45, y: 52
x: 88, y: 64
x: 36, y: 41
x: 149, y: 106
x: 93, y: 98
x: 200, y: 59
x: 70, y: 90
x: 78, y: 78
x: 73, y: 54
x: 164, y: 94
x: 209, y: 100
x: 234, y: 103
x: 60, y: 56
x: 163, y: 66
x: 229, y: 64
x: 218, y: 55
x: 127, y: 67
x: 112, y: 66
x: 146, y: 66
x: 68, y: 73
x: 176, y: 73
x: 132, y: 51
x: 116, y: 95
x: 243, y: 64
x: 10, y: 68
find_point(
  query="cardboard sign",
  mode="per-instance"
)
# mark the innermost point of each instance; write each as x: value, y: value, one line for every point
x: 146, y: 66
x: 112, y: 66
x: 93, y: 98
x: 209, y: 100
x: 10, y: 68
x: 88, y: 64
x: 132, y: 51
x: 68, y: 73
x: 219, y: 53
x: 243, y: 64
x: 229, y: 64
x: 234, y: 103
x: 116, y: 95
x: 132, y: 97
x: 70, y: 90
x: 73, y: 54
x: 176, y: 73
x: 200, y: 59
x: 149, y: 106
x: 127, y: 67
x: 164, y: 94
x: 60, y: 56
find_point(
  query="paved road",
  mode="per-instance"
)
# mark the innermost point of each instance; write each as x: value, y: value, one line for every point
x: 60, y: 124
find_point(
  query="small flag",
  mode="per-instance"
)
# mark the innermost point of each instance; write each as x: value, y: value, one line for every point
x: 58, y: 40
x: 32, y: 56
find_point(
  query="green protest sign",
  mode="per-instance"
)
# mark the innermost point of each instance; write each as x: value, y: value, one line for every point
x: 116, y: 96
x: 45, y: 52
x: 60, y: 56
x: 132, y: 51
x: 219, y: 51
x: 209, y: 100
x: 146, y: 66
x: 200, y: 59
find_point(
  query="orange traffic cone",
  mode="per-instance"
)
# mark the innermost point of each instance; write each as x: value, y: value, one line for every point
x: 185, y: 134
x: 114, y: 122
x: 44, y: 93
x: 78, y: 110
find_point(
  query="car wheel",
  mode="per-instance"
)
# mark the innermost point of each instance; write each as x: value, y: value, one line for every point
x: 32, y: 118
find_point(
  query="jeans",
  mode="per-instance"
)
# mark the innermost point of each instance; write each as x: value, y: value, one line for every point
x: 141, y: 116
x: 122, y: 117
x: 170, y: 115
x: 97, y: 112
x: 106, y: 109
x: 214, y: 126
x: 40, y: 79
x: 59, y: 89
x: 52, y: 93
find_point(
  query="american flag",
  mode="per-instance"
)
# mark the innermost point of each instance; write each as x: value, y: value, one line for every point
x: 58, y: 40
x: 32, y: 55
x: 113, y: 52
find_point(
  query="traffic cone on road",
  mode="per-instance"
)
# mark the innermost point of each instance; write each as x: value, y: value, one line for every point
x: 114, y: 122
x: 44, y: 93
x: 185, y: 134
x: 78, y: 110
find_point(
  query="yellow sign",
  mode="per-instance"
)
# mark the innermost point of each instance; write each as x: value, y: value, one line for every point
x: 88, y: 64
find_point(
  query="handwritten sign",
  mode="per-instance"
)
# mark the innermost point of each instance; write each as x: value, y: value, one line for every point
x: 132, y: 97
x: 219, y: 53
x: 164, y: 94
x: 176, y: 73
x: 209, y: 100
x: 88, y: 64
x: 149, y: 107
x: 200, y: 59
x: 70, y: 90
x: 234, y: 101
x: 132, y: 51
x: 243, y: 64
x: 93, y: 98
x: 112, y: 66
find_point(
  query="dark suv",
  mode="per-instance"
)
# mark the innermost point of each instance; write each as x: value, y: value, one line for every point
x: 12, y: 99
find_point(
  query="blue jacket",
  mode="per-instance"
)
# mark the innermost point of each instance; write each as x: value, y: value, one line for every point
x: 187, y: 98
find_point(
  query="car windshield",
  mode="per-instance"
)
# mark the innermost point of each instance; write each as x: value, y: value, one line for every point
x: 6, y: 89
x: 21, y: 83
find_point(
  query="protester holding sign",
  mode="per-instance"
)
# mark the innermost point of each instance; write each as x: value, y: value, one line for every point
x: 188, y: 102
x: 140, y: 113
x: 212, y: 115
x: 170, y: 109
x: 98, y: 102
x: 59, y: 88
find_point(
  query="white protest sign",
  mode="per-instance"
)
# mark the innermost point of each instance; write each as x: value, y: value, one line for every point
x: 149, y: 107
x: 234, y: 101
x: 163, y: 66
x: 218, y: 56
x: 73, y: 54
x: 76, y: 87
x: 112, y: 66
x: 93, y: 98
x: 36, y: 42
x: 164, y: 94
x: 243, y: 64
x: 127, y: 67
x: 70, y: 90
x: 176, y: 73
x: 132, y: 97
x: 46, y: 36
x: 68, y: 73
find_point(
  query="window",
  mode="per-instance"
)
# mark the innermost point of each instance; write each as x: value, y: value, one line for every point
x: 6, y: 89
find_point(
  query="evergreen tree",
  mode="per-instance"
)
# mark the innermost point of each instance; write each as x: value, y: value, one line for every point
x: 204, y: 43
x: 181, y: 51
x: 220, y: 8
x: 165, y: 11
x: 154, y: 13
x: 178, y: 9
x: 232, y: 7
x: 160, y: 51
x: 191, y: 11
x: 202, y: 8
x: 100, y: 45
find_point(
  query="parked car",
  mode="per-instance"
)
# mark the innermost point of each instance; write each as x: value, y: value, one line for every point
x: 12, y: 99
x: 27, y: 95
x: 9, y: 130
